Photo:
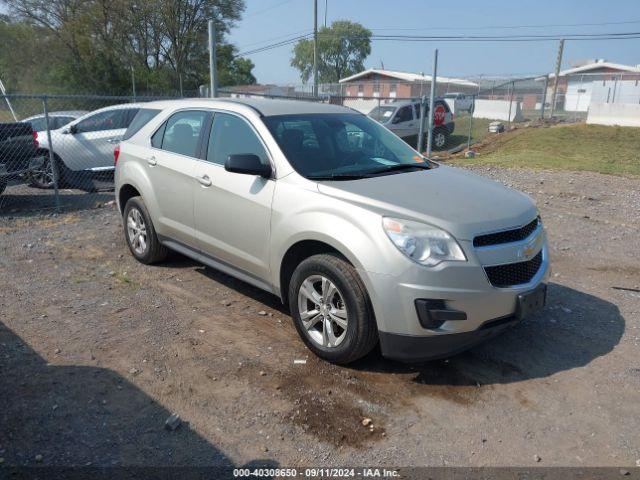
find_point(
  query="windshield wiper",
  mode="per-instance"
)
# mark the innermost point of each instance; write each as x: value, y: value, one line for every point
x: 337, y: 176
x: 400, y: 166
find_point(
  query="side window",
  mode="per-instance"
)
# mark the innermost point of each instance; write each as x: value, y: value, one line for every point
x: 142, y: 117
x: 231, y: 135
x: 404, y: 114
x: 109, y: 120
x: 60, y: 122
x: 182, y: 132
x: 416, y: 110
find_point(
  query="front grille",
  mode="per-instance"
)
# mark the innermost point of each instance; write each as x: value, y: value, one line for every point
x: 503, y: 276
x: 506, y: 236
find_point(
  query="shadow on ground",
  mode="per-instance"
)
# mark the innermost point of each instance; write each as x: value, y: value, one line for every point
x: 82, y: 416
x: 574, y: 329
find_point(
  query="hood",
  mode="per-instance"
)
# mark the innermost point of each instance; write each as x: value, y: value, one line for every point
x: 462, y: 203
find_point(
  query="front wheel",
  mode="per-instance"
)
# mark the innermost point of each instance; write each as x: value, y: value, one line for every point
x: 331, y: 309
x: 42, y: 177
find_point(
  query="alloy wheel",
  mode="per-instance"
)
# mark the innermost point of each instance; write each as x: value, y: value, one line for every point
x: 322, y: 310
x: 137, y: 231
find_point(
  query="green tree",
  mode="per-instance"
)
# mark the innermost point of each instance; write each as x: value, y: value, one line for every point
x: 92, y: 45
x: 342, y: 49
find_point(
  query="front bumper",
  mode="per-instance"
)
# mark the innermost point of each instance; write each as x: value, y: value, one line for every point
x: 412, y: 348
x: 461, y: 287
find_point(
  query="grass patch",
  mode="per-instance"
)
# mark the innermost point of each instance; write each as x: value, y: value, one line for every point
x: 126, y: 280
x: 596, y: 148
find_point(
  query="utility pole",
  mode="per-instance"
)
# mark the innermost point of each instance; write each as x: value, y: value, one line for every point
x: 133, y: 83
x: 315, y: 48
x: 325, y: 13
x: 213, y: 74
x: 556, y: 79
x: 432, y: 99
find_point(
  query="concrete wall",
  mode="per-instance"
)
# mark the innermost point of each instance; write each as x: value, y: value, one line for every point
x: 622, y: 114
x: 497, y: 110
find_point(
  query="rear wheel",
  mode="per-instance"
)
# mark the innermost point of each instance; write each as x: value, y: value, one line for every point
x: 140, y: 234
x: 331, y: 309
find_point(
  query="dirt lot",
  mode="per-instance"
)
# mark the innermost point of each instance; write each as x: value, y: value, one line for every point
x: 96, y: 351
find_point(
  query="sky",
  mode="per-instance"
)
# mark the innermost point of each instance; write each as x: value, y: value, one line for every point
x: 267, y: 21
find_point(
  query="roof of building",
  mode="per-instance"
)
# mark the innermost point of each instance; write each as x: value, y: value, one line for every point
x: 408, y: 77
x: 595, y: 65
x: 265, y: 106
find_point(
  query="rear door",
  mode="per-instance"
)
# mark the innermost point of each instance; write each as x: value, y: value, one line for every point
x: 171, y: 165
x: 233, y: 211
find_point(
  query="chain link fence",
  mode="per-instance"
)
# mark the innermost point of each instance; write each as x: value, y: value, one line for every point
x: 56, y: 151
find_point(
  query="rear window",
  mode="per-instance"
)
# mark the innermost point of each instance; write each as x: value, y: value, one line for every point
x: 143, y: 117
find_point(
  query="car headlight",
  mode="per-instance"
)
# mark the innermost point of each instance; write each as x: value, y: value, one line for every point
x: 422, y: 243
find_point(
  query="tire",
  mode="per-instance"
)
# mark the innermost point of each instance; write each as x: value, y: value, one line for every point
x: 43, y: 177
x: 440, y: 138
x: 350, y: 304
x: 152, y: 251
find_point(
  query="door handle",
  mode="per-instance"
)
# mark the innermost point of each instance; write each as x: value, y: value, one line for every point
x: 113, y: 140
x: 152, y: 161
x: 204, y: 180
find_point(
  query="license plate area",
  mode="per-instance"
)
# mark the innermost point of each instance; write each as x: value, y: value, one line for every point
x: 531, y: 301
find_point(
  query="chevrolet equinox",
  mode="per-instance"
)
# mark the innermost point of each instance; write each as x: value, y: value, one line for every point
x: 364, y: 239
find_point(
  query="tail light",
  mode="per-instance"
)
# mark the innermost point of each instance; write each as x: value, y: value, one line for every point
x: 35, y: 139
x: 116, y: 154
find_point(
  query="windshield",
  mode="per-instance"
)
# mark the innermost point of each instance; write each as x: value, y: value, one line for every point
x: 382, y: 114
x: 341, y: 146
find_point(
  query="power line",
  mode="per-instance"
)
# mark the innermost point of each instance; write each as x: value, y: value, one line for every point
x: 459, y: 38
x: 265, y: 40
x: 501, y: 27
x: 258, y: 12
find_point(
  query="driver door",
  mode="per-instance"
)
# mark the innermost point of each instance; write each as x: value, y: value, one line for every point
x: 404, y: 123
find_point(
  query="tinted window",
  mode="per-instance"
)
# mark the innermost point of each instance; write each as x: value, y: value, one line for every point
x: 140, y: 120
x: 182, y: 132
x: 59, y: 122
x: 109, y: 120
x: 404, y: 114
x: 230, y: 135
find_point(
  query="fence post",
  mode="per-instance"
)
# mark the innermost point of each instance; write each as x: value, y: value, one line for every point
x: 511, y: 87
x: 423, y: 111
x: 473, y: 106
x: 432, y: 98
x: 52, y: 163
x: 544, y: 96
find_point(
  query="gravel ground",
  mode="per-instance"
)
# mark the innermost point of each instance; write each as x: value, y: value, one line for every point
x: 96, y: 351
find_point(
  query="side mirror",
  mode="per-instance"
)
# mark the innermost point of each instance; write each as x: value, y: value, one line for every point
x: 72, y: 129
x: 247, y: 164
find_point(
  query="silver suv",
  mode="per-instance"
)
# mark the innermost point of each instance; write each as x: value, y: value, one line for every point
x: 365, y: 240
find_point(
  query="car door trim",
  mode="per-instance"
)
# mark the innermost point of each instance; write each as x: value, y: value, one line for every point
x: 216, y: 263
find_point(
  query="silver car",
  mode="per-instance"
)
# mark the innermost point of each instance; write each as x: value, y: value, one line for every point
x: 364, y: 239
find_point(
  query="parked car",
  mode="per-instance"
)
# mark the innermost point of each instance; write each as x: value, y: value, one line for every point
x: 56, y: 119
x: 18, y: 147
x: 459, y: 102
x: 85, y: 145
x: 402, y: 117
x: 364, y: 239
